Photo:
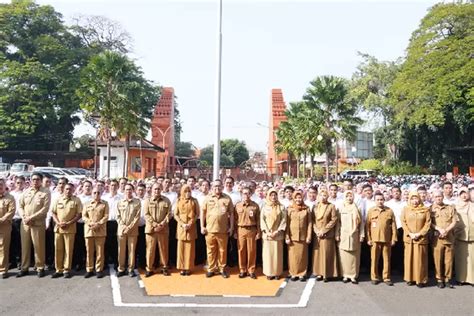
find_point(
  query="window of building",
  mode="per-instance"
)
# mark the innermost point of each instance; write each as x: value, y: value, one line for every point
x: 136, y: 164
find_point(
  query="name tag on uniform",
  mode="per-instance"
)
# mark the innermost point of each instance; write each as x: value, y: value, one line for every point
x: 223, y: 209
x: 251, y: 213
x: 374, y: 224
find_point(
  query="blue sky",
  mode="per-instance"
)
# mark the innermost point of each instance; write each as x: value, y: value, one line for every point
x: 266, y: 44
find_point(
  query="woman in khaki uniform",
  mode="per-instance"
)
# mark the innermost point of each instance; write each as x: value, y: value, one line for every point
x: 298, y: 236
x: 351, y: 232
x: 464, y: 246
x: 324, y: 246
x: 95, y: 215
x: 185, y: 215
x: 273, y: 226
x: 416, y: 222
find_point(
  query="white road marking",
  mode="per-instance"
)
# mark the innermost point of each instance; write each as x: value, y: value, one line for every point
x: 117, y: 298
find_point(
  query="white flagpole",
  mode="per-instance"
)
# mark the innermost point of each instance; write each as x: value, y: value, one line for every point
x: 217, y: 143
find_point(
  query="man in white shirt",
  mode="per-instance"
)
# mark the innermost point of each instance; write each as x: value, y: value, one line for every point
x: 111, y: 245
x: 79, y: 255
x: 311, y: 197
x: 201, y: 254
x: 396, y: 205
x: 254, y: 196
x: 140, y: 193
x: 192, y: 183
x: 122, y: 183
x: 449, y: 199
x: 15, y: 246
x: 171, y: 195
x: 424, y: 195
x: 288, y: 199
x: 229, y: 190
x: 334, y: 198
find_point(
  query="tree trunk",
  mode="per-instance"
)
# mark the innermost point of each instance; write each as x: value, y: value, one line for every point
x: 125, y: 160
x: 311, y: 165
x: 298, y: 158
x: 327, y: 163
x: 289, y: 164
x: 109, y: 140
x: 304, y: 164
x: 335, y: 163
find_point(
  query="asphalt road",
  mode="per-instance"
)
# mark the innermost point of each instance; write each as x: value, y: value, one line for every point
x: 78, y: 296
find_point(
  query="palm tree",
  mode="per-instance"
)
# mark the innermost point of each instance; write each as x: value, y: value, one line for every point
x: 328, y: 97
x: 114, y: 88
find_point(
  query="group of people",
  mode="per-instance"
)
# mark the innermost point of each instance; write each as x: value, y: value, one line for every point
x: 325, y: 230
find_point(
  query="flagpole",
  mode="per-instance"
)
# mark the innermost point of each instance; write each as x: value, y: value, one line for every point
x: 217, y: 143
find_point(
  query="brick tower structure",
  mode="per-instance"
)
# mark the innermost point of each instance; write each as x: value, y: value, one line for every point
x: 162, y: 131
x: 277, y: 115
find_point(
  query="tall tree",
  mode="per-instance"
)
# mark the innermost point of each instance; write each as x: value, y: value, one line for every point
x: 233, y: 153
x: 41, y: 61
x: 113, y: 88
x: 328, y: 96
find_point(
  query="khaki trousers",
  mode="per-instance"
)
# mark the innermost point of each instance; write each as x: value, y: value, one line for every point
x: 377, y: 249
x: 163, y: 243
x: 95, y: 244
x: 247, y: 248
x: 443, y: 259
x: 63, y: 251
x: 186, y: 254
x: 216, y: 251
x: 5, y: 238
x: 126, y: 243
x: 35, y: 235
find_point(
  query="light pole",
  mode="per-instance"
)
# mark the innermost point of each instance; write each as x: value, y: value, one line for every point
x: 353, y: 149
x: 139, y: 143
x: 217, y: 143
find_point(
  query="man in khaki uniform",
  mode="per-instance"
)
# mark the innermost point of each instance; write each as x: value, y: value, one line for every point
x: 128, y: 216
x: 157, y: 215
x: 67, y: 210
x: 443, y: 220
x: 247, y: 216
x: 34, y: 205
x: 217, y: 223
x: 381, y: 231
x: 7, y: 211
x: 95, y: 214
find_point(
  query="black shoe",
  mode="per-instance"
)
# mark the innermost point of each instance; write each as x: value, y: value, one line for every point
x: 420, y: 285
x: 148, y: 274
x: 166, y: 272
x: 375, y: 282
x: 325, y: 280
x: 100, y: 275
x: 302, y: 279
x: 121, y: 273
x: 22, y: 273
x: 253, y: 276
x: 132, y: 274
x: 187, y: 273
x: 88, y: 274
x: 269, y: 277
x: 242, y: 275
x: 182, y: 273
x: 345, y: 280
x: 277, y: 277
x: 225, y: 275
x: 41, y: 273
x: 67, y: 275
x: 354, y: 281
x: 4, y: 275
x: 410, y: 283
x: 388, y: 282
x: 57, y: 275
x: 50, y: 268
x: 319, y: 278
x: 209, y: 274
x: 450, y: 285
x: 294, y: 279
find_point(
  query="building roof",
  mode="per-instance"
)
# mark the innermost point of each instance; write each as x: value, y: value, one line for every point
x: 135, y: 143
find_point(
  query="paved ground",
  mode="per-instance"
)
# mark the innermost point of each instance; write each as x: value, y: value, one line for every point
x: 78, y: 296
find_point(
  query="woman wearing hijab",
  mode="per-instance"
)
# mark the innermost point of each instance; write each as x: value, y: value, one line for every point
x: 273, y: 226
x: 325, y: 227
x: 298, y: 237
x: 185, y: 215
x: 416, y: 222
x: 352, y: 233
x: 464, y: 245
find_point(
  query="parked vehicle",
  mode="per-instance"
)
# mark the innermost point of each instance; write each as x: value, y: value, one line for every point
x: 81, y: 171
x: 21, y: 169
x: 357, y: 174
x: 4, y: 169
x: 60, y: 172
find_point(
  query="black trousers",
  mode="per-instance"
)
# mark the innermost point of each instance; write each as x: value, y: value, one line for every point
x: 111, y: 244
x: 15, y: 244
x: 141, y: 248
x: 79, y: 255
x: 232, y: 252
x: 49, y: 250
x: 201, y: 252
x: 397, y: 253
x: 172, y: 243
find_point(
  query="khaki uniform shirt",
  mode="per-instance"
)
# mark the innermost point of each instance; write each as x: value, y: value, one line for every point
x: 443, y: 216
x: 247, y: 214
x: 35, y: 204
x: 465, y: 225
x: 270, y: 223
x: 298, y: 224
x: 325, y: 219
x: 416, y: 222
x: 186, y: 215
x: 7, y: 211
x: 66, y: 209
x: 381, y: 225
x: 157, y: 211
x: 98, y: 213
x: 128, y: 215
x: 217, y: 212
